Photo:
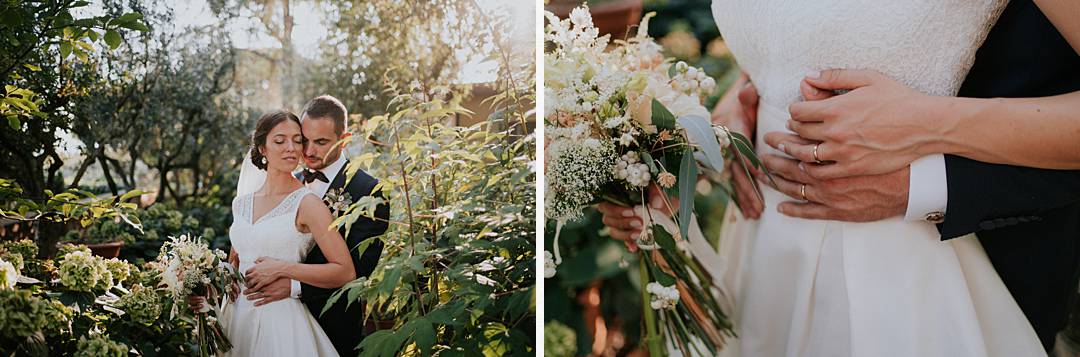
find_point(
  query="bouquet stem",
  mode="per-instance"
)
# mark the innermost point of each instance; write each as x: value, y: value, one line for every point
x: 652, y: 336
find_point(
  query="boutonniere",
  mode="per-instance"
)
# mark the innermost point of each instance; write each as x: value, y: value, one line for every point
x: 337, y: 200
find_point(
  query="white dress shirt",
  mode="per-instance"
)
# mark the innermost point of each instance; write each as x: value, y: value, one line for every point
x: 320, y: 188
x: 928, y: 188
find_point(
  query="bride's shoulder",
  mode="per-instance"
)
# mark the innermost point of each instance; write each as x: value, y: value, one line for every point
x: 240, y: 200
x: 308, y: 199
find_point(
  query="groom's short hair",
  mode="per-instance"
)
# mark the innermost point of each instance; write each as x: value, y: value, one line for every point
x: 327, y: 107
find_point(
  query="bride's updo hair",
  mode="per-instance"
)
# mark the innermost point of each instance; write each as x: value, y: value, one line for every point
x: 262, y: 128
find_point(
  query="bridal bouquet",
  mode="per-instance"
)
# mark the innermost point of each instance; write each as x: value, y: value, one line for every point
x: 188, y: 267
x: 620, y: 118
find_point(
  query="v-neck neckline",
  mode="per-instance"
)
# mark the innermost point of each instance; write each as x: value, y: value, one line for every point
x: 254, y: 221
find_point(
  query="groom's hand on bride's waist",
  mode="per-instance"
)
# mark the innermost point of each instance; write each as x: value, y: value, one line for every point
x: 850, y: 199
x: 276, y: 290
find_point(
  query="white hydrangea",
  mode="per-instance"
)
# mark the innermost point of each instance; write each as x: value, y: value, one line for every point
x: 630, y: 168
x: 8, y: 275
x: 549, y: 265
x: 663, y: 297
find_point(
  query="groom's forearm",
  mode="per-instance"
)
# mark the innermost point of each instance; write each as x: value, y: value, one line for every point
x: 1034, y: 132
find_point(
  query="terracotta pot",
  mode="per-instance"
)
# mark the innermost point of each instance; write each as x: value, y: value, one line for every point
x: 611, y: 17
x: 106, y: 250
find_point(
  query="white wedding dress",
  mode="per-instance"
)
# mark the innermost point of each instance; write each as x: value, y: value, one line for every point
x: 284, y: 327
x: 888, y: 288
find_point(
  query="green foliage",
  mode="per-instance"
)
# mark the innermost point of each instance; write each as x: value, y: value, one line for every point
x: 100, y: 346
x: 25, y: 320
x: 71, y: 205
x: 457, y: 271
x: 559, y: 340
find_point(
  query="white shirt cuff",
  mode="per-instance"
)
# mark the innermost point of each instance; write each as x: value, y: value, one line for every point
x: 928, y: 189
x: 295, y: 292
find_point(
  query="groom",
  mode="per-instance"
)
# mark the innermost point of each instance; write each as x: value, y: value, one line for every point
x: 323, y: 122
x: 1027, y: 219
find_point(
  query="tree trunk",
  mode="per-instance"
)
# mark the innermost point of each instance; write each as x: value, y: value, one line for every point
x: 108, y: 176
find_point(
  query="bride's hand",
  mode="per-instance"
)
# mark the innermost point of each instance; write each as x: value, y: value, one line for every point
x: 197, y: 303
x: 623, y: 224
x: 879, y: 127
x: 737, y: 110
x: 265, y: 271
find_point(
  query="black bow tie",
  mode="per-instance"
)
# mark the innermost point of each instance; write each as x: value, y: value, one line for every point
x: 312, y: 175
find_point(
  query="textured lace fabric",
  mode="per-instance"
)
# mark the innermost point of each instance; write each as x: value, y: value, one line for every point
x: 272, y: 235
x: 928, y: 45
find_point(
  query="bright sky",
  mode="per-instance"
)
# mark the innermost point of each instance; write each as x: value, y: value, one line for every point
x: 310, y: 29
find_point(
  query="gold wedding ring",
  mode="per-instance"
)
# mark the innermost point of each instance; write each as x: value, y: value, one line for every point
x: 816, y: 160
x: 802, y: 192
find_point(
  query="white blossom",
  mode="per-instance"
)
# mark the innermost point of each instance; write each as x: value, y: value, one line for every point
x: 549, y: 265
x: 663, y: 297
x: 630, y: 168
x: 8, y: 275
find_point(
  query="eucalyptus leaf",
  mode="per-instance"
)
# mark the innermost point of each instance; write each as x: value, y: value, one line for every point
x: 662, y: 117
x: 687, y: 185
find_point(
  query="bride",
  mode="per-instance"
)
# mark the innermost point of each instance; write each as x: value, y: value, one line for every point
x: 276, y: 220
x: 827, y: 288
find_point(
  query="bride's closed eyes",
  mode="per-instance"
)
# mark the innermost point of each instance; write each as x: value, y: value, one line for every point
x: 280, y: 139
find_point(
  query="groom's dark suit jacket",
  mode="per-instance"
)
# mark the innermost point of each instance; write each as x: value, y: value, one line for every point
x: 344, y: 326
x: 1028, y: 220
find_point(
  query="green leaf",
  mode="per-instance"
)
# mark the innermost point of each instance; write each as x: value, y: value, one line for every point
x: 112, y: 38
x: 128, y: 17
x: 687, y: 183
x: 65, y: 49
x: 135, y: 25
x: 424, y: 336
x: 390, y: 280
x: 661, y: 117
x: 32, y: 67
x: 648, y: 159
x: 664, y: 239
x: 13, y: 121
x: 11, y: 18
x: 745, y: 148
x: 128, y: 195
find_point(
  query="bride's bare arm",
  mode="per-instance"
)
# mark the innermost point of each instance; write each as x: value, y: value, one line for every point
x: 1063, y: 14
x: 339, y: 267
x: 338, y: 270
x: 1036, y: 132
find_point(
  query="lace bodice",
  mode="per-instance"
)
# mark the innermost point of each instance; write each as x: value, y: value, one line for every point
x: 928, y: 45
x: 272, y: 235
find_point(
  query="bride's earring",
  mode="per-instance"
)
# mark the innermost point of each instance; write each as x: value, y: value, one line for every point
x: 264, y: 160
